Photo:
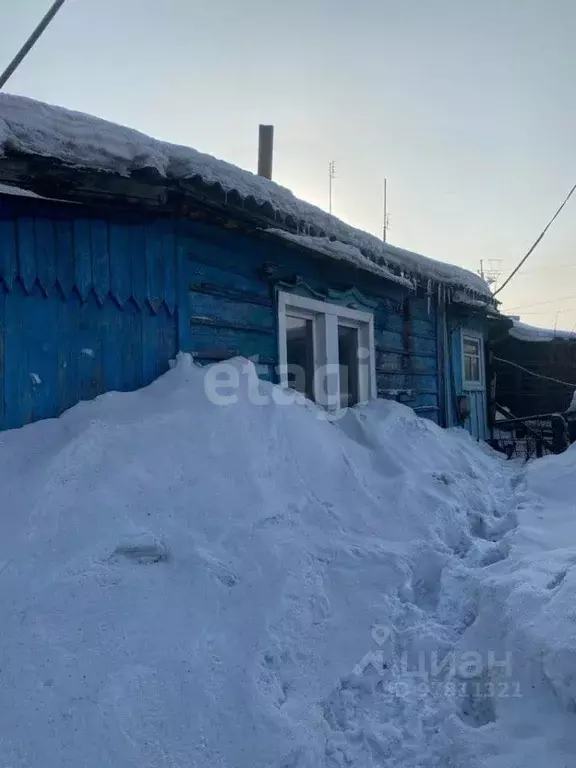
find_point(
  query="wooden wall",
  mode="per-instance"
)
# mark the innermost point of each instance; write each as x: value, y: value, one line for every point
x: 92, y: 301
x: 87, y: 305
x: 233, y: 279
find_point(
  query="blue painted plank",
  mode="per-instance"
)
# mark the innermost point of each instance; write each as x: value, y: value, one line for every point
x: 198, y: 274
x: 82, y: 257
x: 151, y: 327
x: 154, y: 270
x: 388, y: 321
x: 112, y: 333
x: 389, y: 361
x: 234, y: 254
x: 17, y: 381
x: 88, y: 350
x: 45, y: 254
x: 423, y: 382
x: 8, y: 260
x: 100, y: 259
x: 422, y: 400
x: 132, y: 370
x: 64, y: 256
x: 392, y: 381
x: 169, y: 267
x: 68, y: 349
x: 120, y: 267
x: 423, y: 328
x: 423, y: 346
x: 234, y: 313
x: 218, y: 343
x: 168, y: 340
x: 418, y: 383
x: 423, y: 364
x: 42, y: 337
x: 138, y: 263
x: 26, y: 252
x: 388, y: 340
x: 183, y: 341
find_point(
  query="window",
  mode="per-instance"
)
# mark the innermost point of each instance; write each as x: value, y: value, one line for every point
x: 300, y: 354
x: 348, y: 345
x: 326, y: 351
x: 472, y: 361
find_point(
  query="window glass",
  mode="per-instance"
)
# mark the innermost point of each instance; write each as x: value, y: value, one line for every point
x: 472, y: 359
x: 326, y: 351
x: 471, y: 347
x: 300, y: 354
x: 348, y: 364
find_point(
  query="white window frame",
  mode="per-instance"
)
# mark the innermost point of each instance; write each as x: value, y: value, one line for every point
x: 477, y: 337
x: 326, y: 318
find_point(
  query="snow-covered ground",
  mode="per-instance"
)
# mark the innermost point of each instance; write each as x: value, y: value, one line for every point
x: 253, y: 585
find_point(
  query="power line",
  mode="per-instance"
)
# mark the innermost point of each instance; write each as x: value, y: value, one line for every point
x: 29, y: 44
x: 542, y: 312
x: 532, y: 373
x: 540, y: 303
x: 538, y: 240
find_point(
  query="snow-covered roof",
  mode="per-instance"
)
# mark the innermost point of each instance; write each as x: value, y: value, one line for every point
x: 524, y: 332
x: 77, y: 140
x: 8, y: 189
x: 338, y: 250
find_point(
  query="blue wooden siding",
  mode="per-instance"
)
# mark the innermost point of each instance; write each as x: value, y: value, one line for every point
x: 233, y: 309
x: 91, y: 302
x: 87, y: 305
x: 459, y: 321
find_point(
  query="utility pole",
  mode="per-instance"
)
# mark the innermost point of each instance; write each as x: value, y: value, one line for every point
x: 385, y: 221
x: 331, y: 177
x: 492, y: 274
x: 29, y: 44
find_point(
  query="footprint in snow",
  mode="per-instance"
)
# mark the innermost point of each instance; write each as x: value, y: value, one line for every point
x: 144, y: 549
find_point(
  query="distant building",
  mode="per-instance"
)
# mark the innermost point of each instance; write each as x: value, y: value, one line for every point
x: 117, y: 251
x: 534, y: 369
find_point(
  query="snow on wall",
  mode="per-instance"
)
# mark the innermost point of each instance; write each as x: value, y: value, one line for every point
x: 83, y: 141
x: 524, y: 332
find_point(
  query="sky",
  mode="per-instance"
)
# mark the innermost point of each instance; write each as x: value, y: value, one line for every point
x: 468, y: 108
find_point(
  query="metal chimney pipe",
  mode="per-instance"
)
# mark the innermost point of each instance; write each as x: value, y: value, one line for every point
x: 265, y: 150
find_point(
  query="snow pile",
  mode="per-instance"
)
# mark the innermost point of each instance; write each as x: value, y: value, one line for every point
x: 185, y: 583
x: 527, y: 614
x: 524, y: 332
x: 79, y: 140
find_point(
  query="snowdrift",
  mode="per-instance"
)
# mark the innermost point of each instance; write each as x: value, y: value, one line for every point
x: 246, y: 586
x: 528, y: 610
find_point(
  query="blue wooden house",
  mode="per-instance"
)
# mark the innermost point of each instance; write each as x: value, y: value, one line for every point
x: 117, y: 251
